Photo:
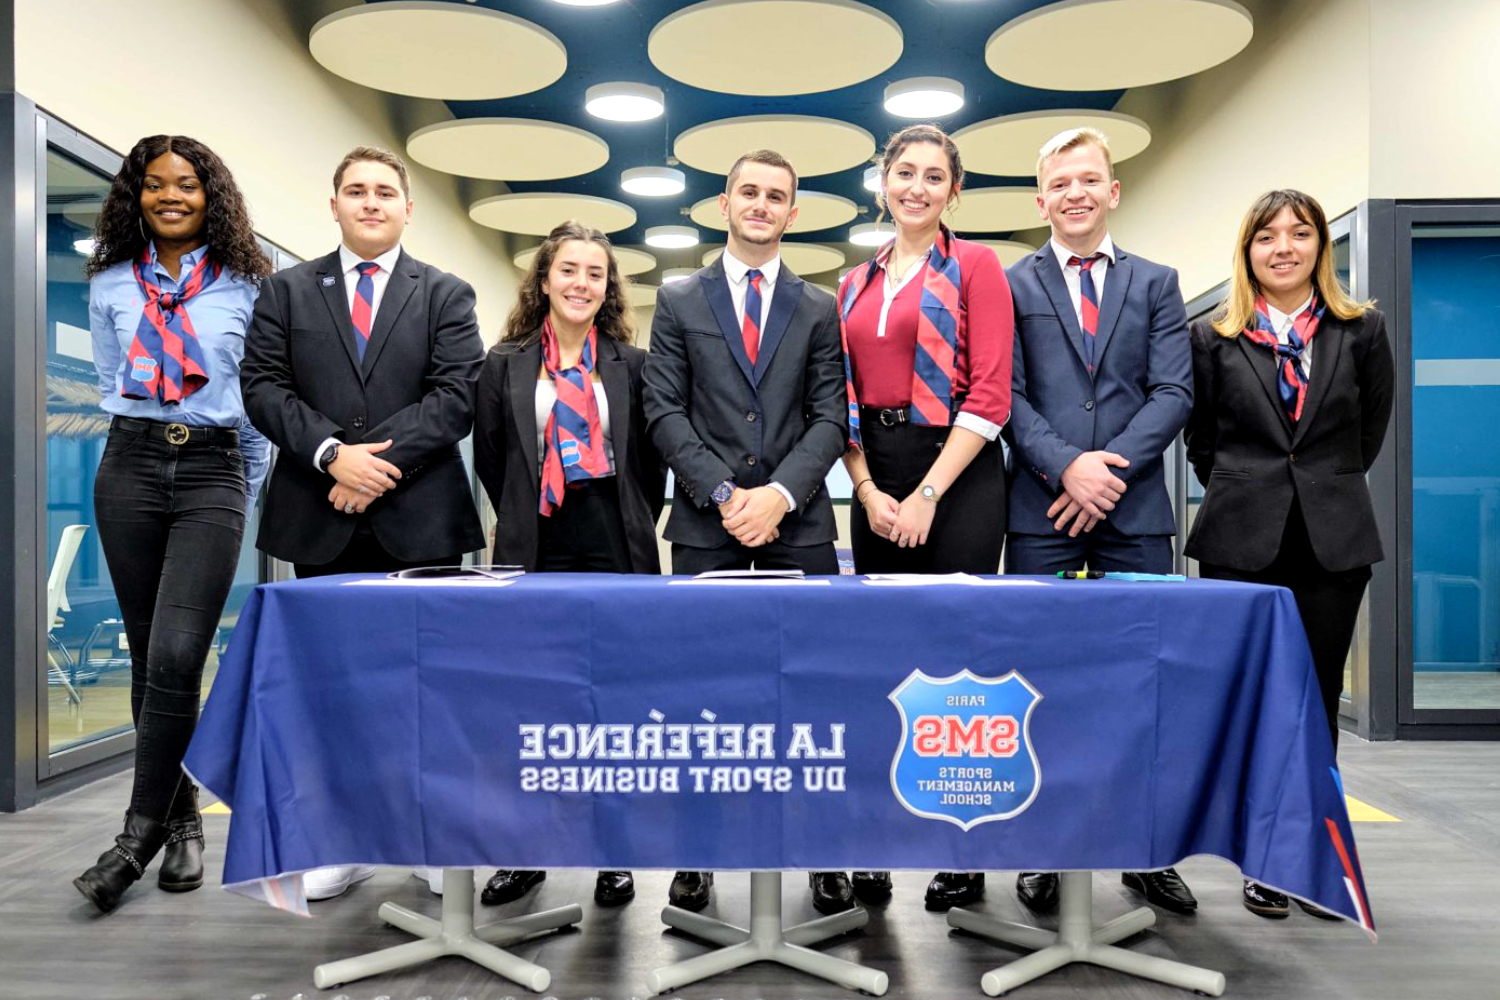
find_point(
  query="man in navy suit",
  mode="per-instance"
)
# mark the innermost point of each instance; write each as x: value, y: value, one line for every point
x: 1101, y: 385
x: 744, y: 398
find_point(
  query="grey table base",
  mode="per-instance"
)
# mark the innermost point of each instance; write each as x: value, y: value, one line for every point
x: 766, y: 941
x: 455, y: 934
x: 1078, y: 940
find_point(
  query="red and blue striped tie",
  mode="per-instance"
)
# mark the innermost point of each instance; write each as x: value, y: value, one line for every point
x: 1088, y: 302
x: 751, y: 326
x: 165, y: 360
x: 363, y: 311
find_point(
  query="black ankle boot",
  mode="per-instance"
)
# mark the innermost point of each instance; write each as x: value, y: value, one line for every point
x: 182, y: 860
x: 123, y: 863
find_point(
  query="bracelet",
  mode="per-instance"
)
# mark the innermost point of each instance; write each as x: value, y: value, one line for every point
x: 874, y: 489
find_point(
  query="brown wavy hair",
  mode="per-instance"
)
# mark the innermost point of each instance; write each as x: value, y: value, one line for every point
x: 1238, y: 307
x: 898, y: 142
x: 121, y: 231
x: 613, y: 319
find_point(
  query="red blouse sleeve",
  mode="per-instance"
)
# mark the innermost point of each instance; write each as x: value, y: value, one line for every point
x: 989, y: 335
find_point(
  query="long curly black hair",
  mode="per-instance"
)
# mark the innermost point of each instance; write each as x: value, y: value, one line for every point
x: 121, y: 232
x: 613, y: 319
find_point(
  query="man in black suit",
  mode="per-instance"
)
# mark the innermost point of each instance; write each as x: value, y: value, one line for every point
x: 745, y: 400
x: 361, y: 368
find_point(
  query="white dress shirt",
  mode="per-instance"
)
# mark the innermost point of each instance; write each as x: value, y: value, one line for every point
x: 738, y: 273
x: 1282, y: 322
x: 1100, y: 272
x: 350, y: 261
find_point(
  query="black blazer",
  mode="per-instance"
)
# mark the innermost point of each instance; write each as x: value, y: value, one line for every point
x: 714, y: 417
x: 506, y: 458
x: 303, y: 383
x: 1254, y: 461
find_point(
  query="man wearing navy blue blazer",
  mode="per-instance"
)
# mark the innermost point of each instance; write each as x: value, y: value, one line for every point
x: 745, y: 400
x: 1101, y: 384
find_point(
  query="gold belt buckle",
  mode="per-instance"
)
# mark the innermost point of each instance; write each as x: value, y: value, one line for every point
x: 177, y: 434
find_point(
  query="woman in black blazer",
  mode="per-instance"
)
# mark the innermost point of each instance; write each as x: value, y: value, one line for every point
x: 560, y: 443
x: 1292, y: 392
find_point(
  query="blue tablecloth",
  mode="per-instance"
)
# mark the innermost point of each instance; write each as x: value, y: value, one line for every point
x: 607, y: 722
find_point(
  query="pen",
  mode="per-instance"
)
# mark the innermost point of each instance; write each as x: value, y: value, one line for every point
x: 1080, y: 574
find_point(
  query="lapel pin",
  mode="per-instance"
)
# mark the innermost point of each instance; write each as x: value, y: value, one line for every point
x: 328, y: 281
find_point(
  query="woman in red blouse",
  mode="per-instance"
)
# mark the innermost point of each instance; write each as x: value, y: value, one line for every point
x: 928, y: 328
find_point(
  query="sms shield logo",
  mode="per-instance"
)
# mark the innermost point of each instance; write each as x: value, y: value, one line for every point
x: 965, y: 753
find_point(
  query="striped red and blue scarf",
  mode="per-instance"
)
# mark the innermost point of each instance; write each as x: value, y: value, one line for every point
x: 165, y: 361
x: 1290, y: 380
x: 574, y: 437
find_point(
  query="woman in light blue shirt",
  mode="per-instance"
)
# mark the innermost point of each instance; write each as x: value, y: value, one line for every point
x: 173, y: 279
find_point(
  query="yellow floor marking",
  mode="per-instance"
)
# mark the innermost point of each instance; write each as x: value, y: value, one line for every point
x: 1359, y: 812
x: 220, y: 809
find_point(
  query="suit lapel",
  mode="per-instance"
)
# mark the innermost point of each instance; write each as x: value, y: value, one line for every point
x: 337, y: 301
x: 398, y: 289
x: 522, y: 370
x: 614, y: 372
x: 1263, y: 363
x: 784, y: 299
x: 1330, y: 342
x: 1051, y: 277
x: 1116, y: 287
x: 715, y: 286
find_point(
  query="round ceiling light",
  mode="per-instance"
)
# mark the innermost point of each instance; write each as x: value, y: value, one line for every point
x: 872, y: 234
x: 624, y: 102
x: 653, y: 182
x: 872, y: 178
x: 672, y: 274
x: 924, y: 97
x: 672, y: 237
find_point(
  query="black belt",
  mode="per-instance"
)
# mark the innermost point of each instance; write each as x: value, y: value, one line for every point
x: 179, y: 434
x: 886, y: 416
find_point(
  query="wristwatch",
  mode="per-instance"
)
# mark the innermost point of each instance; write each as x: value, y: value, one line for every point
x: 329, y: 454
x: 722, y: 492
x: 928, y: 493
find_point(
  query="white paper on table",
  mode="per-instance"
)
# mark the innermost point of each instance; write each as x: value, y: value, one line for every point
x: 746, y: 581
x: 750, y: 574
x: 944, y: 579
x: 433, y: 582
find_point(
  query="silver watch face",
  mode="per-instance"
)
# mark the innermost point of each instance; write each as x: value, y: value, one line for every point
x: 928, y: 493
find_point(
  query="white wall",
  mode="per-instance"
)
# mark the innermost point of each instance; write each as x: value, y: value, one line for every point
x: 120, y: 70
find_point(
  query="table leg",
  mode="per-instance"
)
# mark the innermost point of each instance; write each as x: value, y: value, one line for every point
x: 1078, y: 940
x: 455, y: 934
x: 766, y: 941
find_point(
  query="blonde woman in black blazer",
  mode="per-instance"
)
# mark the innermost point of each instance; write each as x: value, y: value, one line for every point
x: 1292, y: 392
x: 567, y: 503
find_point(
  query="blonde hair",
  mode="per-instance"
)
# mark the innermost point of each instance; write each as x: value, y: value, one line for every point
x: 1238, y: 308
x: 1072, y: 139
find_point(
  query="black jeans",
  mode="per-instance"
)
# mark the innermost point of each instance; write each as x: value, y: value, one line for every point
x: 171, y: 517
x: 586, y: 534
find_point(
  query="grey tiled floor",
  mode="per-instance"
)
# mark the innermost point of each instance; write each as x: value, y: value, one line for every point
x: 1434, y: 880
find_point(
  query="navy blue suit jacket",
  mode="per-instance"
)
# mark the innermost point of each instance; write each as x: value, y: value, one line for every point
x: 1134, y: 403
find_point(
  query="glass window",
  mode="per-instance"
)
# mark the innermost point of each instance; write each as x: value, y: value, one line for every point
x: 87, y: 664
x: 1455, y: 281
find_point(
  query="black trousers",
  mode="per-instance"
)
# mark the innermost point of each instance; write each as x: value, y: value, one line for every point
x: 365, y: 554
x: 814, y: 560
x: 968, y: 527
x: 171, y: 518
x: 1327, y: 601
x: 586, y: 534
x: 1106, y: 548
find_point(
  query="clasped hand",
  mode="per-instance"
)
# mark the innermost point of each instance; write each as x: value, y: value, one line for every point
x: 1090, y: 491
x: 752, y: 515
x: 906, y: 523
x: 360, y: 476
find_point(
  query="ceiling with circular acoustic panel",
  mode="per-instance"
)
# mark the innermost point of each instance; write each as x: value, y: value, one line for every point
x: 1117, y: 43
x: 537, y: 213
x: 802, y: 258
x: 1009, y: 251
x: 813, y: 145
x: 445, y: 51
x: 815, y: 210
x: 1008, y: 146
x: 641, y: 296
x: 507, y: 149
x: 994, y: 210
x: 630, y: 260
x: 775, y: 47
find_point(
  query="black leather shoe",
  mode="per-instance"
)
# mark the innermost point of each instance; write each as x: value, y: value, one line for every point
x: 507, y: 886
x: 1037, y: 891
x: 689, y: 890
x: 614, y: 888
x: 1164, y: 888
x: 831, y: 892
x: 950, y: 889
x: 871, y: 888
x: 122, y: 864
x: 182, y: 858
x: 1264, y: 901
x: 1313, y: 910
